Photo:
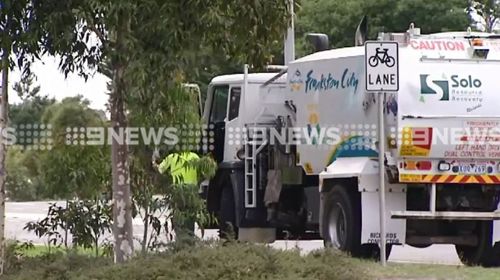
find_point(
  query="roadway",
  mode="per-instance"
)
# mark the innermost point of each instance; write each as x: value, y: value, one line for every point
x: 20, y: 213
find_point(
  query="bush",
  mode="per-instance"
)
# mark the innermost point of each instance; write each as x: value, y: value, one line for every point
x: 85, y: 220
x: 233, y: 261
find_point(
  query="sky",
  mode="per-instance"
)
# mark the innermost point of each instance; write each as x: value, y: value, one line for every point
x: 53, y: 84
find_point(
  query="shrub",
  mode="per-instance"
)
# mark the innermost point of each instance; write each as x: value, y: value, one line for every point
x: 201, y: 261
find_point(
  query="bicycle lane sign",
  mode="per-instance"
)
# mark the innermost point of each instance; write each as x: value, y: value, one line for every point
x: 382, y: 66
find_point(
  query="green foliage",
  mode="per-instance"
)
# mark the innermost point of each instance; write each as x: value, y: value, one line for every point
x: 50, y: 227
x: 159, y: 52
x: 73, y: 168
x: 176, y: 106
x: 201, y: 262
x: 24, y: 180
x: 206, y: 167
x: 145, y: 184
x: 156, y: 200
x: 186, y: 207
x: 64, y: 171
x: 60, y: 265
x: 29, y: 112
x: 24, y: 88
x: 233, y: 261
x: 19, y: 183
x: 86, y: 221
x: 147, y: 46
x: 14, y: 254
x: 488, y: 11
x: 339, y: 19
x: 20, y: 33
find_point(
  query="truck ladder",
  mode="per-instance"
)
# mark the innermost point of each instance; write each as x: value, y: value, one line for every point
x: 252, y: 149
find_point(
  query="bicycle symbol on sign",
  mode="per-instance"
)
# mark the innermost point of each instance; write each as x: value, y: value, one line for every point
x: 383, y: 57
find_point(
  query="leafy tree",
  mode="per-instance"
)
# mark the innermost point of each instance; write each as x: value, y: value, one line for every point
x: 19, y: 185
x: 339, y: 19
x: 86, y: 220
x: 152, y: 193
x: 29, y: 111
x: 146, y: 45
x: 24, y: 181
x: 487, y: 10
x: 73, y: 167
x: 19, y: 38
x: 24, y: 88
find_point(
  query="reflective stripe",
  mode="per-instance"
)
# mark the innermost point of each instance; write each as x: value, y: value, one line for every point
x: 460, y: 179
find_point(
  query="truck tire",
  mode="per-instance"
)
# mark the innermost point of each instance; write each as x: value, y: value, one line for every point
x: 342, y: 222
x: 342, y: 225
x: 482, y: 253
x: 227, y: 216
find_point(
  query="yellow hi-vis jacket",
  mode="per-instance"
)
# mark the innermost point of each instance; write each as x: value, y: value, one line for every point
x: 180, y: 174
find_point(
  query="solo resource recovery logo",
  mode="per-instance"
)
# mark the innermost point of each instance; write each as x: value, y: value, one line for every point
x: 426, y: 89
x: 463, y: 88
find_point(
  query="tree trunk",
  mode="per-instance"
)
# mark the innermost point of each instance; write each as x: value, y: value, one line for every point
x: 97, y: 234
x: 122, y: 203
x: 66, y: 227
x: 3, y: 153
x: 146, y: 228
x: 122, y: 207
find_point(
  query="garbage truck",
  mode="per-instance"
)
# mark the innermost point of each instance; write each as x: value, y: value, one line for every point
x: 297, y: 149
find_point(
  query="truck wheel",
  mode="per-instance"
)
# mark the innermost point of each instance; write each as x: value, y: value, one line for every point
x: 481, y: 254
x: 227, y: 217
x: 342, y: 222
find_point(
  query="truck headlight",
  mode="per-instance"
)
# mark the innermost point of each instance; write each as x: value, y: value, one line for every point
x: 240, y: 154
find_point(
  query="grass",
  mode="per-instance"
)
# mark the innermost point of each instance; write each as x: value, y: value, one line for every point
x: 420, y: 271
x: 42, y: 250
x: 230, y: 261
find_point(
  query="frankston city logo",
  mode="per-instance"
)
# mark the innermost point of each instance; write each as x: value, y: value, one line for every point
x: 456, y: 88
x: 296, y: 81
x: 328, y: 81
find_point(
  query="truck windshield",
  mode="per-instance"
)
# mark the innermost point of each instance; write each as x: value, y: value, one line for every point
x: 219, y: 104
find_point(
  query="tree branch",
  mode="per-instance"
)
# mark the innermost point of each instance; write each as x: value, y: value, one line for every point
x: 98, y: 33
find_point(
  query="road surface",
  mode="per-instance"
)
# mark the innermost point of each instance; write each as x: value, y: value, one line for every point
x: 20, y: 213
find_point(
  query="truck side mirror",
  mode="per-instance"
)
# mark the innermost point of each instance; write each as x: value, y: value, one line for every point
x: 200, y: 104
x: 319, y: 41
x: 196, y: 89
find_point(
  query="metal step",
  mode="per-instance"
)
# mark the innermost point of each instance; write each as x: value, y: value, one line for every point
x: 469, y: 240
x: 445, y: 215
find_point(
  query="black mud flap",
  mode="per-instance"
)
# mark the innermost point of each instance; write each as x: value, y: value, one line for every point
x: 247, y: 217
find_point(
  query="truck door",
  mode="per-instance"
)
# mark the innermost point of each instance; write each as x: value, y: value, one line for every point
x: 218, y: 113
x: 234, y: 139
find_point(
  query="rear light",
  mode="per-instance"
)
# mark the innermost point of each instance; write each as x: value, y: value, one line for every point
x: 424, y: 165
x: 417, y: 165
x: 444, y: 166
